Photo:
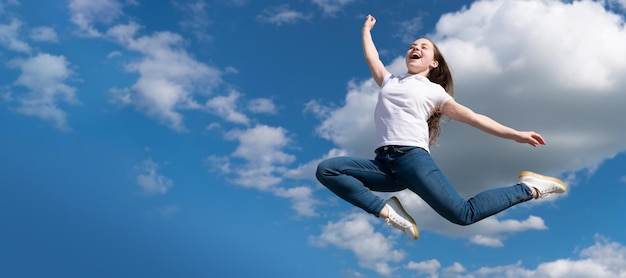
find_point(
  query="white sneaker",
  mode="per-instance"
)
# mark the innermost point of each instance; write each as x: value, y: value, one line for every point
x: 543, y: 184
x: 399, y: 218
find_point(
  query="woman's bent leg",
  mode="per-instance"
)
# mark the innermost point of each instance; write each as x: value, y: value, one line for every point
x: 421, y: 175
x: 353, y: 179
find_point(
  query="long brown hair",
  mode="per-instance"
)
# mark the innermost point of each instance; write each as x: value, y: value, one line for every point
x: 442, y: 76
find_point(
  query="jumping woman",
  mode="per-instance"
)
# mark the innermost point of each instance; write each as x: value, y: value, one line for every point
x: 407, y: 116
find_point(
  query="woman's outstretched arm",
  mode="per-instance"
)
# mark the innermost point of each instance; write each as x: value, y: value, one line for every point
x: 458, y: 112
x: 377, y: 68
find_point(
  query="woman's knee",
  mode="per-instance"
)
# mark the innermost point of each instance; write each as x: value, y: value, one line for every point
x: 326, y: 168
x: 461, y: 221
x: 331, y: 166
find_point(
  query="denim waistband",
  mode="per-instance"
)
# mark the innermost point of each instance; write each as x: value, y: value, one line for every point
x: 394, y: 149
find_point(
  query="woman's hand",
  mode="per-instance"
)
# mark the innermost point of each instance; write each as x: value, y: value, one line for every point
x: 370, y: 21
x: 530, y: 137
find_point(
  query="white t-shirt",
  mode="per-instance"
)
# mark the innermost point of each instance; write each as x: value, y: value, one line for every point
x: 404, y: 105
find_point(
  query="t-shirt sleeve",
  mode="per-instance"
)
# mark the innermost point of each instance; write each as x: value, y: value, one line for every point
x: 443, y: 98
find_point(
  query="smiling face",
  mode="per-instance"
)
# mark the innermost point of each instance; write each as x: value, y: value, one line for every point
x: 420, y: 57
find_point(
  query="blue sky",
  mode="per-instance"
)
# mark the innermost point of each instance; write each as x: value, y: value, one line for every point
x: 179, y: 138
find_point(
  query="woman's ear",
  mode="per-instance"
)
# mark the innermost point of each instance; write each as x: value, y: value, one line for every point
x: 434, y: 64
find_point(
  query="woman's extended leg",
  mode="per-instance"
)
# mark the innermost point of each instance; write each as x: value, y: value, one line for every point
x: 421, y: 175
x: 354, y: 179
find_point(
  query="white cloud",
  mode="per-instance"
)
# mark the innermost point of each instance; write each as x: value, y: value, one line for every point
x: 9, y: 37
x: 151, y: 182
x: 330, y: 7
x: 318, y: 109
x: 454, y: 270
x: 355, y: 232
x: 568, y: 61
x: 226, y: 108
x: 195, y: 17
x: 43, y: 34
x: 430, y: 267
x: 122, y: 97
x: 44, y: 76
x: 124, y: 33
x: 169, y: 76
x: 262, y: 105
x: 351, y: 127
x: 114, y: 54
x: 604, y: 259
x: 260, y: 162
x: 486, y: 241
x: 220, y: 164
x: 281, y: 15
x: 561, y: 72
x: 259, y: 157
x: 261, y: 145
x: 301, y: 199
x: 87, y: 13
x: 543, y: 66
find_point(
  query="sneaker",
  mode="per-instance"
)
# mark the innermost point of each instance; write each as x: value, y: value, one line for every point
x: 543, y: 184
x: 400, y: 219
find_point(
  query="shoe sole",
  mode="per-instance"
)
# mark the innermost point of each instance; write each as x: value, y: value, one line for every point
x: 399, y: 205
x: 535, y: 175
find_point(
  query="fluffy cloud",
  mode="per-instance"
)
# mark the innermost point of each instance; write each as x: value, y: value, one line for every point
x: 351, y: 126
x: 330, y: 7
x: 302, y: 200
x: 171, y: 80
x: 226, y: 108
x: 281, y: 15
x: 44, y: 77
x: 604, y: 259
x: 545, y: 69
x: 44, y: 34
x: 9, y: 37
x: 262, y: 105
x: 87, y: 13
x: 169, y: 77
x: 259, y: 162
x: 356, y: 233
x: 150, y: 181
x: 195, y: 17
x: 259, y: 158
x: 430, y: 267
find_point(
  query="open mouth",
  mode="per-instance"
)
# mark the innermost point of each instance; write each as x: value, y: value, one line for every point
x: 415, y: 56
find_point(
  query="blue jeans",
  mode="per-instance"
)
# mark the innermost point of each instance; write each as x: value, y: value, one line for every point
x: 400, y: 167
